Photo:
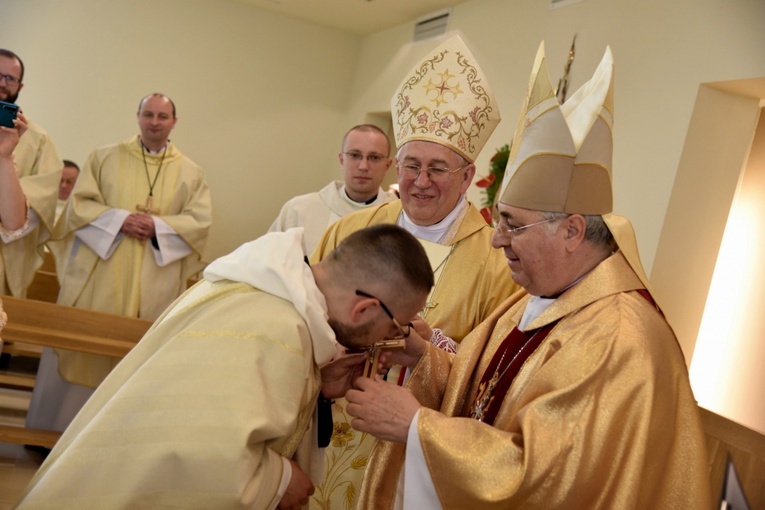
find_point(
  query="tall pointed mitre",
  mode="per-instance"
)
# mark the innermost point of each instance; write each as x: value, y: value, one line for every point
x: 446, y: 99
x: 560, y: 160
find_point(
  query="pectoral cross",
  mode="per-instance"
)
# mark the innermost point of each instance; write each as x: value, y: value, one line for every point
x: 147, y: 209
x: 430, y: 304
x: 484, y: 397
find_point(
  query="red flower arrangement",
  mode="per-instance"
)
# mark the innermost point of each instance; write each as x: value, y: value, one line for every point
x: 491, y: 182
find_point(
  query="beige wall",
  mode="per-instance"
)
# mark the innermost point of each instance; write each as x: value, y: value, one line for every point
x: 727, y: 370
x: 663, y: 50
x: 715, y: 153
x: 261, y: 98
x: 708, y: 270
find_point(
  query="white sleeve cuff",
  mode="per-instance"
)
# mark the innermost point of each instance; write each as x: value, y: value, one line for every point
x: 103, y: 234
x: 286, y: 478
x: 172, y: 247
x: 419, y: 491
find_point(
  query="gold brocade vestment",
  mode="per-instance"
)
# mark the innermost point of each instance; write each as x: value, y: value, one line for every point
x: 601, y: 416
x: 474, y: 279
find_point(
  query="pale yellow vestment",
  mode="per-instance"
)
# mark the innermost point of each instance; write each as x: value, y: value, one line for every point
x: 39, y: 166
x: 475, y: 278
x: 473, y: 281
x: 130, y: 282
x: 198, y: 415
x: 601, y: 416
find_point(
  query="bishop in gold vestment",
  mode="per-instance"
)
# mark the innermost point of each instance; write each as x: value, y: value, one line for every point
x: 575, y: 396
x: 434, y: 167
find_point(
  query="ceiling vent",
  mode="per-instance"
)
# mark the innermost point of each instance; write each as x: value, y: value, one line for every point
x: 554, y: 4
x: 432, y: 25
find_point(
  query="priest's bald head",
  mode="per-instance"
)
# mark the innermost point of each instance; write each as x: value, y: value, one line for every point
x: 156, y: 119
x: 375, y: 282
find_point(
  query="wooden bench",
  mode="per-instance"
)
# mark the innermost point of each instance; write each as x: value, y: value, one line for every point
x: 45, y: 286
x: 746, y: 449
x: 41, y: 324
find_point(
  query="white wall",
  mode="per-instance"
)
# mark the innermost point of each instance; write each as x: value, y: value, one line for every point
x: 261, y: 98
x: 663, y: 50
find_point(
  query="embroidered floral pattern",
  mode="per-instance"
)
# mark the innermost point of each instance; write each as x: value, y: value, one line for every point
x: 347, y: 452
x: 448, y: 85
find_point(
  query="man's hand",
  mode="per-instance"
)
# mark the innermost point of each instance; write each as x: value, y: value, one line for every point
x: 338, y: 375
x: 381, y: 409
x: 139, y: 226
x: 298, y: 491
x: 410, y: 355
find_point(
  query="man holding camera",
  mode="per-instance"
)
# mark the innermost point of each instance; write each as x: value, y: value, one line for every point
x: 39, y: 166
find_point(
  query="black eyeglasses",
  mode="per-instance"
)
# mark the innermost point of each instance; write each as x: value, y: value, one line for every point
x: 10, y: 80
x: 403, y: 333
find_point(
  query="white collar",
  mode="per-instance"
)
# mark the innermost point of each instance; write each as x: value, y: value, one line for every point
x: 433, y: 233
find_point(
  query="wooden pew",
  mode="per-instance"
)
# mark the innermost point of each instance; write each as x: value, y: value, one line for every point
x: 744, y: 446
x: 44, y: 324
x: 45, y: 285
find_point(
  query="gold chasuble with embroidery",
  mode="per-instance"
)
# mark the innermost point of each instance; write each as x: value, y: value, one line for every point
x: 39, y: 166
x: 472, y: 279
x: 606, y: 392
x: 130, y: 282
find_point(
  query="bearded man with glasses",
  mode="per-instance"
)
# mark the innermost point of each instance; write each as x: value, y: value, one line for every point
x: 443, y: 114
x: 365, y: 158
x: 39, y: 166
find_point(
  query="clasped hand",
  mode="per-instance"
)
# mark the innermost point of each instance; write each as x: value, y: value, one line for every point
x: 139, y: 226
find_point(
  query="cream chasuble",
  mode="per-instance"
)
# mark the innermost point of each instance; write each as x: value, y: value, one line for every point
x: 606, y: 392
x: 315, y: 212
x: 203, y: 411
x: 471, y: 280
x: 39, y: 167
x: 129, y: 281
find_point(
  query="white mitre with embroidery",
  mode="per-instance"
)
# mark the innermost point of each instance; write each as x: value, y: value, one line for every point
x: 446, y: 99
x: 561, y: 156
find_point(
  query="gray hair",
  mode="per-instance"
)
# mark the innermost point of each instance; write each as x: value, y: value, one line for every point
x: 596, y: 231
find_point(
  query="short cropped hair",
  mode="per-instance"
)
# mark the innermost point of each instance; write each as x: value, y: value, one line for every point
x: 383, y: 253
x: 156, y: 94
x: 10, y: 54
x: 366, y: 128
